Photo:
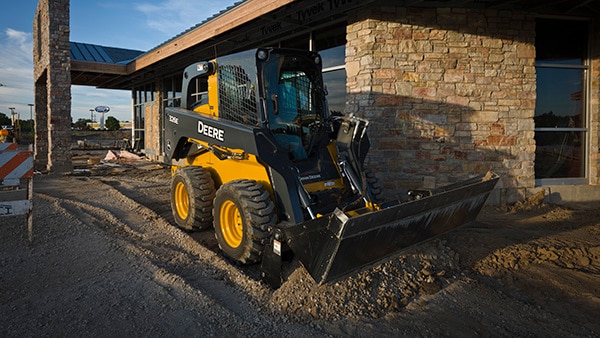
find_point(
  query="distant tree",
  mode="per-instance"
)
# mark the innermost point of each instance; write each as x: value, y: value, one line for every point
x: 27, y: 125
x: 82, y: 124
x: 112, y: 123
x: 5, y: 120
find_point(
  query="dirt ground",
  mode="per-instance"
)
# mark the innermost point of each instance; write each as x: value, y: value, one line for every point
x: 107, y: 260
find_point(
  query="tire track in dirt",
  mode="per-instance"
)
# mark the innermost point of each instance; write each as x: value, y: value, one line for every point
x: 179, y: 264
x: 156, y: 197
x: 77, y: 278
x: 436, y: 288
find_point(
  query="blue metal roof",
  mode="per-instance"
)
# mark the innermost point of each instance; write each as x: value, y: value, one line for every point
x: 95, y: 53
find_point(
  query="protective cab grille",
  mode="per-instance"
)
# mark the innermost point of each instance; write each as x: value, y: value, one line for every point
x: 237, y: 99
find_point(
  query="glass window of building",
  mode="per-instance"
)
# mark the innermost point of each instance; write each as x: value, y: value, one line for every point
x: 331, y: 44
x: 561, y: 105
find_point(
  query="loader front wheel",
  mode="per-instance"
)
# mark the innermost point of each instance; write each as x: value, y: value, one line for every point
x: 374, y: 188
x: 192, y: 194
x: 243, y: 213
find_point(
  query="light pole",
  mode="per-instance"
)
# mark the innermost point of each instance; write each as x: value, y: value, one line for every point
x: 92, y: 115
x: 15, y: 124
x: 12, y: 113
x: 30, y: 110
x: 32, y: 125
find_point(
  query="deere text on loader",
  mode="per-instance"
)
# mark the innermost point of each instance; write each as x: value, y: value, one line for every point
x: 257, y: 156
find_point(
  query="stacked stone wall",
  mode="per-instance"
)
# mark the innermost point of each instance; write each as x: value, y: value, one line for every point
x: 52, y: 80
x: 594, y: 152
x: 450, y: 93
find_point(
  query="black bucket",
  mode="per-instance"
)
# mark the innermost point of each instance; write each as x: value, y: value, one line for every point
x: 335, y: 245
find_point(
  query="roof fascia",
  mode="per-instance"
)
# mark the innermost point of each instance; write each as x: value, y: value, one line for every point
x: 100, y: 67
x: 239, y: 15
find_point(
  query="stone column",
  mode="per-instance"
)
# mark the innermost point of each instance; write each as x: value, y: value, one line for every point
x: 52, y: 78
x: 41, y: 124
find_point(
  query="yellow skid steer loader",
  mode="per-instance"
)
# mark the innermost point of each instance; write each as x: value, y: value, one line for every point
x: 256, y: 154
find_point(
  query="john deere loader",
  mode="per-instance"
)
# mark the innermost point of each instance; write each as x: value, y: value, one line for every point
x: 257, y: 156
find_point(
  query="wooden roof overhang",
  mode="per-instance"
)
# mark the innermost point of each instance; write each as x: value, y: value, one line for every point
x: 243, y: 26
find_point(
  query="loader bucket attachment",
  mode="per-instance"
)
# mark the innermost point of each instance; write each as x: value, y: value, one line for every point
x: 335, y: 245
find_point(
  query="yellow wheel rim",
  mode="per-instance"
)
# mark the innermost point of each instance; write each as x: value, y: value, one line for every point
x: 231, y: 224
x: 182, y: 200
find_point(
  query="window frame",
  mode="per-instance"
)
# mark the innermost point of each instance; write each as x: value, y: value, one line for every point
x: 585, y: 107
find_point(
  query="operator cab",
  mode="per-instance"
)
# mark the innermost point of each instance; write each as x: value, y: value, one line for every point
x: 295, y: 100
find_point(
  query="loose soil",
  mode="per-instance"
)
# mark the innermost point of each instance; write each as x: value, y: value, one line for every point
x: 107, y: 260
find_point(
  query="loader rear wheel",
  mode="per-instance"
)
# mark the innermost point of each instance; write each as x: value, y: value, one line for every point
x: 243, y: 213
x: 192, y: 194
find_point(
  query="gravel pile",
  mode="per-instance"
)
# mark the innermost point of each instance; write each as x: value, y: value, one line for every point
x: 385, y: 288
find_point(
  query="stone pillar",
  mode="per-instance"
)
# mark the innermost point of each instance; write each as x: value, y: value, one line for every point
x: 52, y: 78
x: 41, y: 124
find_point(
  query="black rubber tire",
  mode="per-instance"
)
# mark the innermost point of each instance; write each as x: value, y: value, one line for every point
x: 250, y: 205
x: 374, y: 188
x: 192, y: 194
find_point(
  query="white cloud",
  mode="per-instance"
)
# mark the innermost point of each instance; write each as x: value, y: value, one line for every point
x: 23, y: 43
x: 16, y: 70
x: 171, y: 17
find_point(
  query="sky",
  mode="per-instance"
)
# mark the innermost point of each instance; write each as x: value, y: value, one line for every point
x: 139, y: 25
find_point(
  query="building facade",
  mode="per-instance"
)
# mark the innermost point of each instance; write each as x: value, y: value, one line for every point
x: 451, y: 89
